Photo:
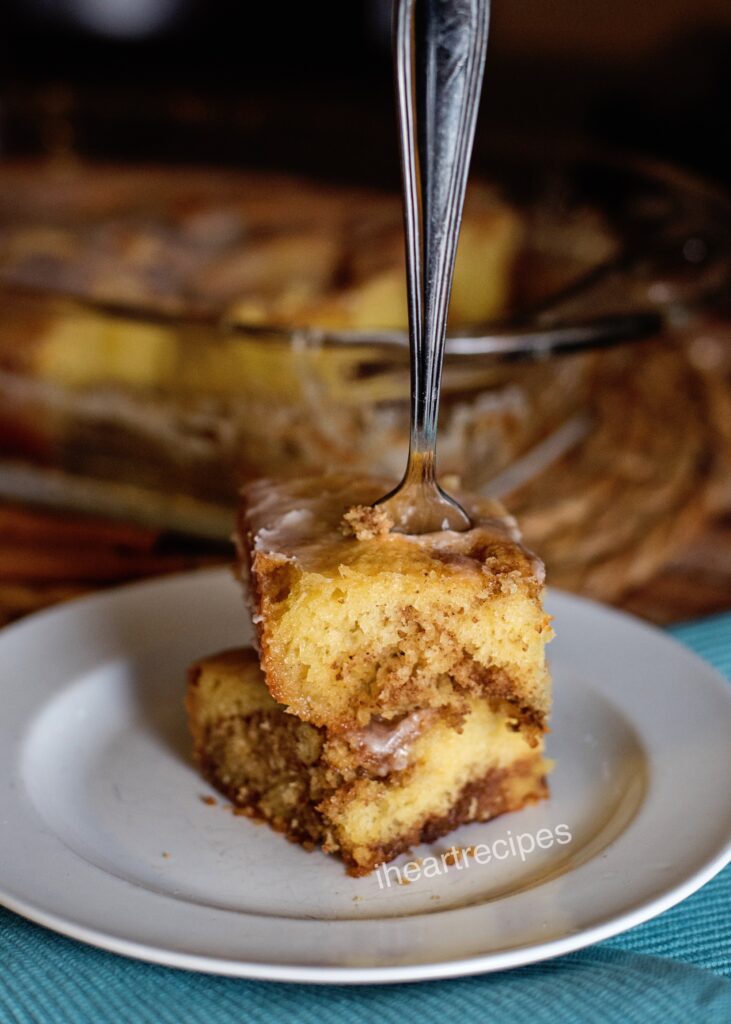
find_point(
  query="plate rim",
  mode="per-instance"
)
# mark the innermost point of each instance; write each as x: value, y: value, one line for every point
x: 533, y: 952
x: 439, y: 970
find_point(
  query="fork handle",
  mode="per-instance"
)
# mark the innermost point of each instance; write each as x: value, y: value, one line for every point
x: 440, y: 48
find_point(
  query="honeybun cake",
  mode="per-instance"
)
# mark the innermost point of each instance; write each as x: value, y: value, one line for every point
x: 400, y: 686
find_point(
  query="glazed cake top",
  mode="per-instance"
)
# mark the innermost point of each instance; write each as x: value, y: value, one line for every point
x: 325, y: 524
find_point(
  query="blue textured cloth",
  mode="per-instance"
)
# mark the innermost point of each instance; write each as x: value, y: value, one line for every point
x: 674, y: 968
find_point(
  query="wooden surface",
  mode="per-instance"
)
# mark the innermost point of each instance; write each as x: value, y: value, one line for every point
x: 47, y: 558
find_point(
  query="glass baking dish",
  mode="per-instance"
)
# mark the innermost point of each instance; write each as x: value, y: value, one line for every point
x: 127, y: 404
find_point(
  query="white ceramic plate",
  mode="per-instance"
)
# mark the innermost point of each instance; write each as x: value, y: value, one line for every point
x: 105, y: 836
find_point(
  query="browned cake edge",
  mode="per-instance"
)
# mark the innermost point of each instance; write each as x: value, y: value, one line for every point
x: 305, y: 826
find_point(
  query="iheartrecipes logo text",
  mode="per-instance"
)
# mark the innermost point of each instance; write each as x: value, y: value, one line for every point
x: 521, y: 845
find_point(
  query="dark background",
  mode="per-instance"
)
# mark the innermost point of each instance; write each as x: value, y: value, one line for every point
x: 289, y: 82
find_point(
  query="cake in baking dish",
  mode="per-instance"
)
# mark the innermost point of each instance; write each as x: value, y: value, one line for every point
x: 366, y: 793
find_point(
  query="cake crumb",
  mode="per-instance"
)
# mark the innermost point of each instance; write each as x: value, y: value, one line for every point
x: 209, y: 801
x: 366, y: 522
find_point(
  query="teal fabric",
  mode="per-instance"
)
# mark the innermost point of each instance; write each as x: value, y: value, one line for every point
x: 675, y: 968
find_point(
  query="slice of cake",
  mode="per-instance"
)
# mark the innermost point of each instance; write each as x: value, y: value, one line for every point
x: 356, y: 622
x: 369, y: 793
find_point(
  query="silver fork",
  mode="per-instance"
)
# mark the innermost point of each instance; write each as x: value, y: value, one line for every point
x: 439, y: 57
